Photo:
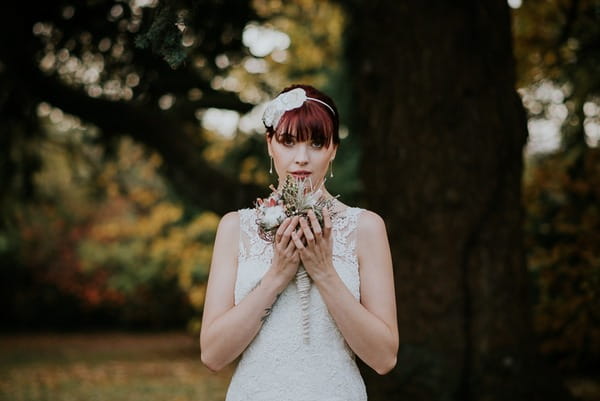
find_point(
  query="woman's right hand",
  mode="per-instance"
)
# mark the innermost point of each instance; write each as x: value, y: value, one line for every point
x: 286, y: 258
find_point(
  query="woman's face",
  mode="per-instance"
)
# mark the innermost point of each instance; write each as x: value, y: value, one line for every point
x: 307, y: 159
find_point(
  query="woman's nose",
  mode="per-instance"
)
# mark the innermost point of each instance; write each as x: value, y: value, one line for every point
x: 301, y: 154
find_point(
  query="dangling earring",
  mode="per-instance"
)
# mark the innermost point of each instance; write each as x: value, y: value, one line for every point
x: 331, y: 168
x: 271, y: 167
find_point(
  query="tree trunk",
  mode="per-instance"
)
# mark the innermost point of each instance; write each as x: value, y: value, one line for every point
x: 443, y: 131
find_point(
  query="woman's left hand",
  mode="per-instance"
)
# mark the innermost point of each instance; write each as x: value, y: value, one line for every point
x: 317, y: 249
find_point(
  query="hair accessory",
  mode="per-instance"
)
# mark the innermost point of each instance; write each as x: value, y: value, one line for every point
x: 287, y: 101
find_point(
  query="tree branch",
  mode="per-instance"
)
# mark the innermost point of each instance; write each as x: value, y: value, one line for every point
x: 195, y: 179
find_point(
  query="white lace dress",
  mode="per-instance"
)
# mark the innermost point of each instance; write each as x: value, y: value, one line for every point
x: 278, y: 365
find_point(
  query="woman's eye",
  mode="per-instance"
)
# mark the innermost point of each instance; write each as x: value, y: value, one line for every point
x: 317, y: 144
x: 288, y: 142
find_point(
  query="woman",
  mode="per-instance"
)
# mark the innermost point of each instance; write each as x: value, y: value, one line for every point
x: 252, y: 306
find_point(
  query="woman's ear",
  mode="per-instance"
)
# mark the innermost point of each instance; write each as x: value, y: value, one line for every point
x: 269, y: 139
x: 335, y: 147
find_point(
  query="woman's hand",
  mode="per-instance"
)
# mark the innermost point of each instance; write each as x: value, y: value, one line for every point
x: 317, y: 248
x: 286, y: 258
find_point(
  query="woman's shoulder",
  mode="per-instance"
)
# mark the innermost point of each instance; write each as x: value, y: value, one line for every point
x: 369, y: 223
x: 370, y: 232
x: 230, y: 222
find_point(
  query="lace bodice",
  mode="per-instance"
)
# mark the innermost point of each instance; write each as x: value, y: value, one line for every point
x: 278, y: 365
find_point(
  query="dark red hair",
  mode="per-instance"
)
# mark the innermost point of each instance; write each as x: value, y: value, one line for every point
x: 312, y: 121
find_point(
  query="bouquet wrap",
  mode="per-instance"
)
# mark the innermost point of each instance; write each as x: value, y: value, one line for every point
x: 303, y: 285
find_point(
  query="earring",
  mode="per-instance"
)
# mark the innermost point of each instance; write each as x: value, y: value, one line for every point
x: 271, y: 167
x: 331, y: 168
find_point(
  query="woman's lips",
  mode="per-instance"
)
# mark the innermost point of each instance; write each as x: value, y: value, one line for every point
x: 300, y: 174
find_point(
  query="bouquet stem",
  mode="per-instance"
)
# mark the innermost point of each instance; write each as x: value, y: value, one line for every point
x: 303, y: 287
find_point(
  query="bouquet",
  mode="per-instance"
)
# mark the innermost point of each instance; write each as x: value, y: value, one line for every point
x: 295, y: 198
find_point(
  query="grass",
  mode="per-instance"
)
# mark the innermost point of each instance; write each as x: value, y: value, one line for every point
x: 111, y: 366
x: 127, y: 367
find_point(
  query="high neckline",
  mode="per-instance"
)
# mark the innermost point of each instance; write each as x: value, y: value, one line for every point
x: 339, y: 207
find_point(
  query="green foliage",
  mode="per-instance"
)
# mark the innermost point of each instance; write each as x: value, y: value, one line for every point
x: 164, y: 37
x: 555, y: 42
x: 562, y: 200
x: 126, y: 247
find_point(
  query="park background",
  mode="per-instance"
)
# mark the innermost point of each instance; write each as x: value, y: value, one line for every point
x: 127, y: 128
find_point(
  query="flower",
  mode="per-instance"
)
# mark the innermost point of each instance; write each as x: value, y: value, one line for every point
x: 273, y: 216
x: 293, y: 99
x: 282, y: 103
x: 296, y: 198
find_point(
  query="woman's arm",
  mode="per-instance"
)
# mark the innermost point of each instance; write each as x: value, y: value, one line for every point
x: 370, y: 326
x: 227, y: 329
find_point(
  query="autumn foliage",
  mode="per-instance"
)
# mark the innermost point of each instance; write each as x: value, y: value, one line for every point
x: 562, y: 199
x: 129, y: 247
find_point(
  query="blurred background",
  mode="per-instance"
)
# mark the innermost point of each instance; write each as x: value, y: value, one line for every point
x: 128, y: 127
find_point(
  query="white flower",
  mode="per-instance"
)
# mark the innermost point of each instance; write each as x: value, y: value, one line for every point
x: 282, y: 103
x: 293, y: 99
x: 272, y: 216
x: 313, y: 197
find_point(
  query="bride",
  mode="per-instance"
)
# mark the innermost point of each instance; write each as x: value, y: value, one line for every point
x: 252, y: 307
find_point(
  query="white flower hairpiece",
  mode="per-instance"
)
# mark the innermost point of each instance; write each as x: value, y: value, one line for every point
x: 286, y: 101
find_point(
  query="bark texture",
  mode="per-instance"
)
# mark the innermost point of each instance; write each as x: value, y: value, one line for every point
x: 443, y: 131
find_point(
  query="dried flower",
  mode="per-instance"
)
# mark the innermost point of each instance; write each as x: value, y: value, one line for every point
x: 296, y: 198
